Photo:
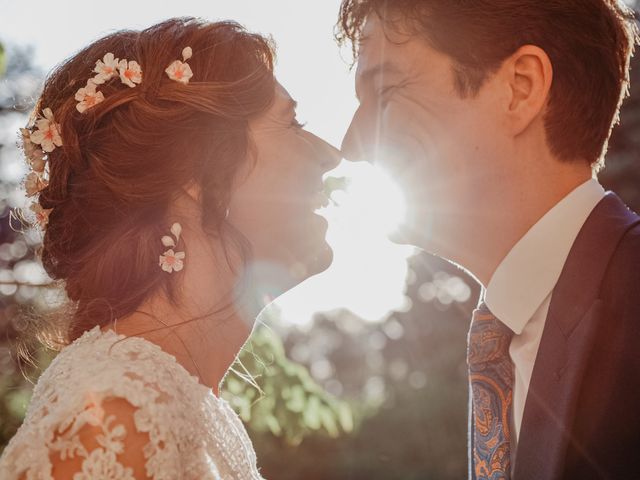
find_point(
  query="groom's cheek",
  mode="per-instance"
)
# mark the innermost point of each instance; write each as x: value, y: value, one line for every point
x: 401, y: 137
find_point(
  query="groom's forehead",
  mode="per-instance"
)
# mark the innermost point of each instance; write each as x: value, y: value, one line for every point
x: 388, y: 43
x: 380, y: 55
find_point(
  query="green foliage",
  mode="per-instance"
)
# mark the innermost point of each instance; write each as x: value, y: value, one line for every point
x: 273, y: 394
x: 3, y: 63
x: 16, y: 387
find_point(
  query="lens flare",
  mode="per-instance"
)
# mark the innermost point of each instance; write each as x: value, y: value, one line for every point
x: 371, y: 203
x: 368, y: 273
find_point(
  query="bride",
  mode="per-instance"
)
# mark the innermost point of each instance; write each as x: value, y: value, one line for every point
x: 176, y: 192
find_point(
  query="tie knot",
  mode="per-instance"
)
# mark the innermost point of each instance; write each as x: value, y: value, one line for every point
x: 489, y: 338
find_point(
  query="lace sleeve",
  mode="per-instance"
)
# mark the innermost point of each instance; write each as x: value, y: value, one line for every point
x: 127, y: 412
x: 102, y: 442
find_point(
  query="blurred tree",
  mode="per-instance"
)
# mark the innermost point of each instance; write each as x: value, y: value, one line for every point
x: 2, y: 59
x: 622, y: 172
x: 407, y: 376
x: 273, y: 394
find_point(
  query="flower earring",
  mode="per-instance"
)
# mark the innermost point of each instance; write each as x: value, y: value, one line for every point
x: 170, y: 260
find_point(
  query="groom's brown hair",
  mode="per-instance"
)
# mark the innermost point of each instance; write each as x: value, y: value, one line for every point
x: 589, y: 43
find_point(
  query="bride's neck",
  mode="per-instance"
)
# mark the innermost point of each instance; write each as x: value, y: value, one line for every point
x: 208, y: 325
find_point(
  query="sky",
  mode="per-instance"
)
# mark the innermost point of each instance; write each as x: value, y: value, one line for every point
x: 317, y: 74
x: 309, y: 64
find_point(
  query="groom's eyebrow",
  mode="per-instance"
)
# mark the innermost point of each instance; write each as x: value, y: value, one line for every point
x: 365, y: 79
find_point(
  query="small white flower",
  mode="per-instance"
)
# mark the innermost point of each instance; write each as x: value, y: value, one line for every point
x: 37, y: 162
x: 167, y: 241
x: 171, y: 261
x: 34, y: 184
x: 176, y: 230
x: 130, y: 72
x: 26, y: 134
x: 47, y: 134
x: 32, y: 152
x: 186, y: 53
x: 179, y: 71
x: 42, y: 214
x: 106, y: 69
x: 88, y: 97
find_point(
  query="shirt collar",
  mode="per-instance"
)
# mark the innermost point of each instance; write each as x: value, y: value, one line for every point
x: 530, y: 271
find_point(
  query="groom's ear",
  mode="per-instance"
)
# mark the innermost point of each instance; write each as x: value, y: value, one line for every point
x: 528, y: 74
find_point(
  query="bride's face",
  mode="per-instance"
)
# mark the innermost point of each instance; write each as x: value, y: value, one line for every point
x: 277, y: 193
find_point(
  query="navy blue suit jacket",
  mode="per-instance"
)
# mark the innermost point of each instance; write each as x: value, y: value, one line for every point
x: 582, y: 414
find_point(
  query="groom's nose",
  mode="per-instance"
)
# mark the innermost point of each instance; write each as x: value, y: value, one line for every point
x: 358, y: 141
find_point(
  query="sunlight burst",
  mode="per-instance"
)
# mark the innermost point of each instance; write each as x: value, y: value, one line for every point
x: 369, y: 272
x: 371, y: 200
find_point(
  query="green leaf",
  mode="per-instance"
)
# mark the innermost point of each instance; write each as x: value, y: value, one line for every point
x: 275, y: 395
x: 3, y: 59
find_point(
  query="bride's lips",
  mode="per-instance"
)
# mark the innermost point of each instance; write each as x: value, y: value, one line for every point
x: 319, y: 199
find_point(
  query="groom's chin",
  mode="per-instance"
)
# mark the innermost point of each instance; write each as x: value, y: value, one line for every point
x: 406, y: 234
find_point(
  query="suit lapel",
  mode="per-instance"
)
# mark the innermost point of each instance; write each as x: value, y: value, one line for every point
x: 566, y: 341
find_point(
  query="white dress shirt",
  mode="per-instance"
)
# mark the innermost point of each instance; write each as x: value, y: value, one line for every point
x: 519, y: 293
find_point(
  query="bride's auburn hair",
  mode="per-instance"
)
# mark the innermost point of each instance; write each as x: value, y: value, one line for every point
x: 124, y: 160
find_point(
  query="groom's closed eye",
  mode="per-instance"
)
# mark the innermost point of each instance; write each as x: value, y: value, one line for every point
x: 372, y: 79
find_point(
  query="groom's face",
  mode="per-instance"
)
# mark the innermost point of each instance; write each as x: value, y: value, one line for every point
x: 434, y: 143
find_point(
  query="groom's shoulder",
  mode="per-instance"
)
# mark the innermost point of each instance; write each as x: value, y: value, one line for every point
x: 621, y: 283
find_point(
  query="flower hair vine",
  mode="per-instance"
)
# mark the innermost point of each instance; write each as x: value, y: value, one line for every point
x: 38, y: 141
x: 171, y: 260
x: 129, y: 72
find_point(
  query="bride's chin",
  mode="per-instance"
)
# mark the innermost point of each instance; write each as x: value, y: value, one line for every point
x: 322, y: 260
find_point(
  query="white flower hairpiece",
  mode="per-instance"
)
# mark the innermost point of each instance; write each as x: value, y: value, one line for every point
x: 172, y: 261
x: 42, y: 214
x: 88, y: 96
x: 37, y: 144
x: 109, y: 67
x: 130, y: 72
x: 39, y: 141
x: 34, y: 183
x: 180, y: 71
x: 106, y: 68
x: 47, y: 134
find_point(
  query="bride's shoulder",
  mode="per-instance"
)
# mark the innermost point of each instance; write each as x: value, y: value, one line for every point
x: 106, y: 362
x: 120, y: 403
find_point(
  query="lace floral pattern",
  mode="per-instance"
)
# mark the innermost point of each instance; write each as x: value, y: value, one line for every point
x: 192, y: 434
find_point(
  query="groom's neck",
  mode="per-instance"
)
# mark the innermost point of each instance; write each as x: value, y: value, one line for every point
x: 493, y: 230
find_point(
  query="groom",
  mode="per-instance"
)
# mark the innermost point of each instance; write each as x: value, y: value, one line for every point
x: 493, y: 116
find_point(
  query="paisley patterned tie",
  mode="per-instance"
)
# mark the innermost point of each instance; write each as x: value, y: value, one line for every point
x: 491, y: 385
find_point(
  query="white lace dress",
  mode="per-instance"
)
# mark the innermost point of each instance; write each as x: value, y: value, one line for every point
x: 189, y: 433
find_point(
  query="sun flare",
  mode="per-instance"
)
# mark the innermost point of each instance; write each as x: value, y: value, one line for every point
x: 369, y: 272
x: 371, y: 202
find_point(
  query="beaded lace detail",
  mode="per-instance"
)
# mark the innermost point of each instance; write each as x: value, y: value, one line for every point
x: 192, y: 433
